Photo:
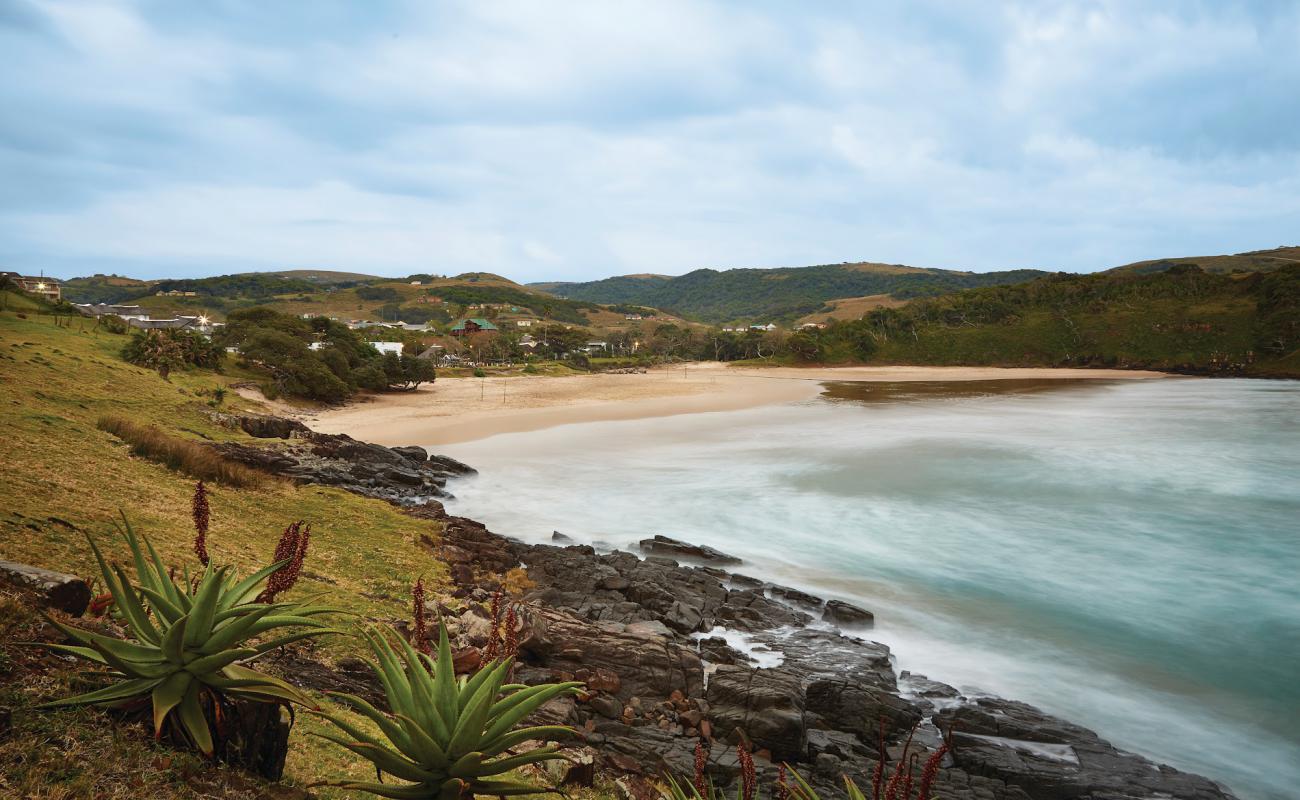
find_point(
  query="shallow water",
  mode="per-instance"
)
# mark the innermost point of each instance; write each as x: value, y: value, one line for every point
x: 1124, y: 554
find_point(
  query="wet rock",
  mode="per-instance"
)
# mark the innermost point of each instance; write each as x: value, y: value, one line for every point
x: 664, y: 546
x: 560, y: 538
x: 766, y: 704
x: 1050, y: 758
x: 839, y: 612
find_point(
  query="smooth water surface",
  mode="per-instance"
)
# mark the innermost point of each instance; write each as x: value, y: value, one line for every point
x: 1125, y: 554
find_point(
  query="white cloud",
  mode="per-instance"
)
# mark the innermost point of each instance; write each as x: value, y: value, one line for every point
x: 606, y: 137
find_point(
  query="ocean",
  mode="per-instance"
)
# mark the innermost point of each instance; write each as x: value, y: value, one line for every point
x: 1123, y: 554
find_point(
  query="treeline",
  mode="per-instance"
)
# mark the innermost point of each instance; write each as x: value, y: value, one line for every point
x: 1183, y: 319
x: 776, y: 294
x: 551, y: 307
x: 281, y: 345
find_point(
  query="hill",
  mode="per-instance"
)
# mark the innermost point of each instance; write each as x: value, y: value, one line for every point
x: 61, y: 478
x: 781, y: 294
x: 1253, y: 261
x: 1182, y: 319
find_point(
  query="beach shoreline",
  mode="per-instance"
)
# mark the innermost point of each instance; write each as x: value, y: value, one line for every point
x: 454, y: 410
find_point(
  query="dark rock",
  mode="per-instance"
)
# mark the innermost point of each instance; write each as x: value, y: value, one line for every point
x: 412, y: 453
x: 450, y: 465
x: 664, y: 546
x: 795, y: 596
x: 647, y: 665
x: 606, y: 705
x: 556, y: 536
x: 1052, y: 759
x: 766, y: 704
x: 264, y: 427
x: 842, y: 613
x: 67, y: 593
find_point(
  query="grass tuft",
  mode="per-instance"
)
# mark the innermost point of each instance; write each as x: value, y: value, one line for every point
x: 182, y: 455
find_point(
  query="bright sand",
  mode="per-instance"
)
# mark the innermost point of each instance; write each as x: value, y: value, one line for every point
x: 464, y: 409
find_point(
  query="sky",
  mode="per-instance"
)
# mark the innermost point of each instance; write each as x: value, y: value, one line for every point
x: 578, y: 140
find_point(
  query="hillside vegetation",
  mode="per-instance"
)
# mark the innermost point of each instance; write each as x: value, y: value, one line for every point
x: 1253, y: 261
x: 776, y: 294
x: 1181, y: 319
x: 61, y: 477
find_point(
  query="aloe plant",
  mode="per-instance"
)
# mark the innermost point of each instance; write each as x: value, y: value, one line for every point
x: 187, y: 641
x: 447, y: 736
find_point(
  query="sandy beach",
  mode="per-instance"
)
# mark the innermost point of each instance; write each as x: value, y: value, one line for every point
x: 464, y: 409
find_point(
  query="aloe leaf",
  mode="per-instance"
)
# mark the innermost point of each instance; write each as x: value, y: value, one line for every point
x: 162, y: 604
x: 199, y: 626
x: 444, y: 681
x: 383, y: 758
x: 247, y: 588
x: 88, y: 653
x: 419, y: 791
x: 510, y: 718
x: 137, y: 687
x: 233, y: 632
x: 191, y: 714
x: 289, y: 638
x: 503, y: 765
x: 173, y: 643
x: 469, y: 732
x: 430, y: 752
x: 397, y: 733
x: 522, y: 735
x: 166, y: 696
x: 129, y: 603
x: 467, y: 766
x: 216, y: 661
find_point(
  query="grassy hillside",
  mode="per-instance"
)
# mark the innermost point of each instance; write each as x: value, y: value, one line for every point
x: 60, y: 476
x: 1253, y: 261
x: 1182, y: 319
x: 777, y: 294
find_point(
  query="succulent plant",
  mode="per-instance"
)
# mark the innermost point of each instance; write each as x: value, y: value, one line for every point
x: 187, y: 641
x: 447, y: 736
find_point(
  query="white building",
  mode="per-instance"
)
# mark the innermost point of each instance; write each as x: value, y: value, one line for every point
x: 523, y: 323
x: 387, y: 347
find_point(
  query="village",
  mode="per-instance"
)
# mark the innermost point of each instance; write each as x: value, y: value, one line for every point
x: 468, y: 335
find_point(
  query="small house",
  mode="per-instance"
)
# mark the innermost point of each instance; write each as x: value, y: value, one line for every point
x: 385, y: 348
x: 469, y: 327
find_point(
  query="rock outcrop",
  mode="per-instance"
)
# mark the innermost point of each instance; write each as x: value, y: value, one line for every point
x: 402, y: 475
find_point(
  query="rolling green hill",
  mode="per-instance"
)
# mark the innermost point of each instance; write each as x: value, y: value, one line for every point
x: 776, y: 294
x: 1182, y: 319
x: 1253, y: 261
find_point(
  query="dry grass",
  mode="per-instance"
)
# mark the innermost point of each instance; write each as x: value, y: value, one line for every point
x: 192, y: 458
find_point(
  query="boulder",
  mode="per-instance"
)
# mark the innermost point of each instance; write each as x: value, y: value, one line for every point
x: 412, y: 453
x: 67, y: 593
x: 839, y: 612
x: 675, y: 548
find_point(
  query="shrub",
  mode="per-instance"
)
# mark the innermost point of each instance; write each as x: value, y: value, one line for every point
x: 187, y: 638
x: 192, y: 458
x: 167, y: 349
x: 448, y: 737
x: 479, y: 373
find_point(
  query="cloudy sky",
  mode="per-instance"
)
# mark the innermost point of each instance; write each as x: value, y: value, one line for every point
x: 547, y: 140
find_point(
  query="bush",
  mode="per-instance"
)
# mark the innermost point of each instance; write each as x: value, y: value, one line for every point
x: 165, y: 350
x: 479, y: 373
x: 192, y: 458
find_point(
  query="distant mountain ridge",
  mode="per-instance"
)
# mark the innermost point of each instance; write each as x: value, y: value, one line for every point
x: 782, y: 293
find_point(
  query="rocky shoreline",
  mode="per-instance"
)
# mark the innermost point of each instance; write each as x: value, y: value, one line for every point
x: 677, y: 646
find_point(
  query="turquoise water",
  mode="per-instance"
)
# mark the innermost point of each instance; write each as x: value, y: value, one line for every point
x: 1124, y: 554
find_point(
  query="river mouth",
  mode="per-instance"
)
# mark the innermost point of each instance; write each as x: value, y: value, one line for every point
x: 1119, y: 553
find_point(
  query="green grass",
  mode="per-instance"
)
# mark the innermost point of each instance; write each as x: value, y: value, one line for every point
x: 61, y: 477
